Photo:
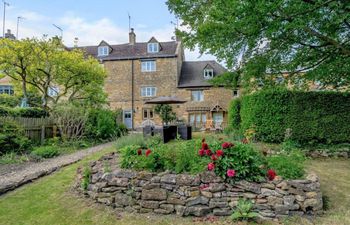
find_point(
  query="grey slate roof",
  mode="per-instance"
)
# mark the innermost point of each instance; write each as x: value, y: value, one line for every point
x: 136, y: 51
x: 192, y: 73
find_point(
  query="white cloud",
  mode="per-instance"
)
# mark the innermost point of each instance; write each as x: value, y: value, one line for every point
x: 89, y: 32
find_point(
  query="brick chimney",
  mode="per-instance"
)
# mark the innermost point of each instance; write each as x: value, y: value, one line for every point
x: 9, y: 35
x: 132, y: 37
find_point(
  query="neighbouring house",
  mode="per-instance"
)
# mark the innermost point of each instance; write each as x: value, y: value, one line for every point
x: 5, y: 86
x: 140, y: 71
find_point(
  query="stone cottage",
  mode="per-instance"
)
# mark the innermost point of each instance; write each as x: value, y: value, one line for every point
x: 140, y: 71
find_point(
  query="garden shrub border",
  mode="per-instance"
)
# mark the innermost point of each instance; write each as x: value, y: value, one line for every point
x: 196, y: 195
x: 311, y: 117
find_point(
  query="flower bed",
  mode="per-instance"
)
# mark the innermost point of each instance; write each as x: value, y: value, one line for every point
x: 196, y: 195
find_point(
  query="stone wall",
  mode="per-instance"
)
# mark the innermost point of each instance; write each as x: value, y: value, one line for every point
x: 197, y: 195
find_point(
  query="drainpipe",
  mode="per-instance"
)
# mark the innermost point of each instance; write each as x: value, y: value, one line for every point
x: 132, y: 94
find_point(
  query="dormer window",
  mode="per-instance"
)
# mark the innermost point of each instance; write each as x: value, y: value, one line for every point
x: 152, y: 47
x: 103, y: 51
x: 208, y: 73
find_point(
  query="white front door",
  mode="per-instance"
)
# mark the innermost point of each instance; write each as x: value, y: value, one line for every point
x: 127, y: 118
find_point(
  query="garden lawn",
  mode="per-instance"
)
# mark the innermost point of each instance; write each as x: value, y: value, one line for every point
x: 50, y: 200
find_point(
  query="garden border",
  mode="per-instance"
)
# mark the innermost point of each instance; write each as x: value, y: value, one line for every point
x: 196, y: 195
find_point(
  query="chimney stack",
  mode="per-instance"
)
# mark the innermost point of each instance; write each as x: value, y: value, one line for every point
x: 76, y: 42
x: 9, y: 35
x: 132, y: 37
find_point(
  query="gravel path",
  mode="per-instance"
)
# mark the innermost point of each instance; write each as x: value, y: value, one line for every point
x: 14, y: 176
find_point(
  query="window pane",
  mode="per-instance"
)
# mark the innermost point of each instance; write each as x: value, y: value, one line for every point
x: 191, y: 118
x: 204, y: 118
x: 145, y: 115
x: 151, y: 113
x: 198, y: 118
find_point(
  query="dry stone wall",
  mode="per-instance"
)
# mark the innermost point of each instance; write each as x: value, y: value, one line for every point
x: 198, y: 195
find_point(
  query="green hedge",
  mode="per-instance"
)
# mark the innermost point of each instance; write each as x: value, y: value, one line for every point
x: 234, y: 117
x: 322, y: 117
x: 31, y: 112
x: 9, y: 100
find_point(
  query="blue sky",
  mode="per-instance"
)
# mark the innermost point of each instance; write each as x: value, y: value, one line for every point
x: 93, y: 21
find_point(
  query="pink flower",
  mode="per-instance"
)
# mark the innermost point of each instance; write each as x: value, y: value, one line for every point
x: 208, y: 152
x: 139, y: 152
x: 201, y: 152
x: 271, y: 174
x: 213, y: 157
x: 148, y: 152
x: 205, y: 146
x: 211, y: 166
x: 227, y: 145
x: 231, y: 173
x: 219, y: 153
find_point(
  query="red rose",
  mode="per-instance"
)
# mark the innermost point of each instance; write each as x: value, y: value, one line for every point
x: 227, y: 145
x: 139, y: 152
x: 205, y: 146
x: 213, y: 157
x: 208, y: 152
x: 271, y: 174
x: 231, y: 173
x: 211, y: 166
x: 219, y: 153
x: 148, y: 152
x: 201, y: 152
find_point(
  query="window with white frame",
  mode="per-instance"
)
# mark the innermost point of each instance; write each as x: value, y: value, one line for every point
x: 148, y: 66
x: 197, y: 95
x: 102, y: 51
x: 148, y: 91
x: 53, y: 91
x: 6, y: 89
x: 208, y: 73
x: 147, y: 114
x: 152, y: 47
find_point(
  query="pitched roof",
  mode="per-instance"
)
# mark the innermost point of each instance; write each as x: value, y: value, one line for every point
x: 192, y: 73
x: 136, y: 51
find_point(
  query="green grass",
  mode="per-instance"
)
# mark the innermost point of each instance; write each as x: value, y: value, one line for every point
x: 50, y: 200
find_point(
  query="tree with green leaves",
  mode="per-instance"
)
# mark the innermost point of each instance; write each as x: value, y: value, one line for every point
x: 17, y: 61
x: 306, y: 40
x: 47, y: 66
x: 165, y: 112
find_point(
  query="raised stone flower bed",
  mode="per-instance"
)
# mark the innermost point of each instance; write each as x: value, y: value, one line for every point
x: 197, y: 195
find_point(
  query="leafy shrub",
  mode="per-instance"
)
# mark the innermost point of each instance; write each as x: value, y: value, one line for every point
x: 12, y: 157
x: 22, y: 112
x: 70, y: 120
x: 234, y: 117
x: 288, y: 165
x: 9, y: 100
x: 312, y: 117
x: 243, y: 211
x: 243, y: 159
x: 12, y: 137
x: 45, y: 152
x: 102, y: 124
x: 178, y: 157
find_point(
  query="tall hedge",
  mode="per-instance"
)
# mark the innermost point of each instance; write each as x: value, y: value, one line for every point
x: 322, y: 117
x: 234, y: 117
